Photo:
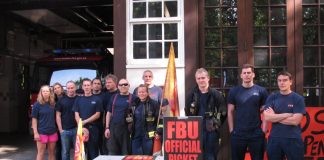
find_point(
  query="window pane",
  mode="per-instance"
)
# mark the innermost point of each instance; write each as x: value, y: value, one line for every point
x: 322, y: 34
x: 230, y: 57
x: 309, y: 15
x: 213, y: 58
x: 230, y: 37
x: 260, y: 2
x: 322, y: 58
x: 322, y: 78
x: 171, y: 9
x: 155, y: 50
x: 260, y: 16
x: 310, y: 35
x: 229, y: 16
x: 310, y: 77
x: 230, y: 77
x: 278, y: 36
x: 261, y: 57
x: 155, y: 9
x: 139, y: 10
x: 212, y: 17
x: 167, y: 49
x: 273, y: 76
x: 309, y: 1
x: 171, y: 31
x: 212, y: 2
x: 321, y: 97
x: 310, y: 56
x: 322, y: 15
x: 215, y: 77
x: 139, y: 51
x: 139, y: 32
x: 278, y: 16
x: 262, y: 77
x: 278, y: 2
x: 278, y: 57
x: 261, y: 36
x: 155, y: 31
x: 311, y: 97
x: 212, y: 38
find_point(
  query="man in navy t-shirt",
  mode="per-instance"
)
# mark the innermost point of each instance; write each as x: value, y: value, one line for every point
x: 65, y: 119
x: 88, y: 108
x: 285, y: 109
x: 245, y: 103
x: 116, y: 130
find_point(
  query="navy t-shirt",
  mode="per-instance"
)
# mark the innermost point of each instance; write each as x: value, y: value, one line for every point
x: 247, y: 102
x: 106, y: 98
x: 120, y: 106
x: 45, y: 115
x: 87, y: 106
x: 139, y: 120
x: 65, y: 105
x: 291, y: 103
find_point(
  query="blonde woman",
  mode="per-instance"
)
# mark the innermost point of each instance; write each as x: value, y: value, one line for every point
x: 43, y: 123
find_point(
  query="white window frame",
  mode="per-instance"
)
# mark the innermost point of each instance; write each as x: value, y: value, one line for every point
x: 156, y: 62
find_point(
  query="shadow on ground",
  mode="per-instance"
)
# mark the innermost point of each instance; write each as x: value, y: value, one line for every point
x: 16, y: 146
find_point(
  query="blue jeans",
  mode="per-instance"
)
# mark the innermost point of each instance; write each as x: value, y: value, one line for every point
x: 291, y: 148
x: 142, y: 145
x: 211, y: 145
x: 68, y: 142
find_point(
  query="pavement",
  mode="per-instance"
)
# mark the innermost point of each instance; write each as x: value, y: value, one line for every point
x: 17, y: 146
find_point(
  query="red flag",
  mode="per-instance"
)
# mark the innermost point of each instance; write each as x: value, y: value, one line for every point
x: 170, y: 90
x: 157, y: 146
x: 79, y: 153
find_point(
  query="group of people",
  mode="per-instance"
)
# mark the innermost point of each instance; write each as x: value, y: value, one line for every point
x: 246, y: 103
x: 118, y: 122
x: 123, y: 123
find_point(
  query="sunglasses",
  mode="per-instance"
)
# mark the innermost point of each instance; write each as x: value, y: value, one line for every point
x: 123, y: 84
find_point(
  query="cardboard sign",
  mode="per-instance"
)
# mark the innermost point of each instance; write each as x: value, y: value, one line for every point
x: 182, y: 138
x: 313, y: 133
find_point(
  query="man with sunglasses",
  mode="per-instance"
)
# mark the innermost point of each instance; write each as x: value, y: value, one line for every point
x: 116, y: 130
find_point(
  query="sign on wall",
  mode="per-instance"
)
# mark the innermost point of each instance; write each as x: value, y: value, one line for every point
x: 182, y: 138
x: 313, y: 133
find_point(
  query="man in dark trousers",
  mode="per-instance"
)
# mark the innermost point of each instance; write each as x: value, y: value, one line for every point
x: 89, y: 107
x: 208, y: 103
x: 245, y: 104
x: 65, y: 119
x: 117, y: 131
x: 285, y: 109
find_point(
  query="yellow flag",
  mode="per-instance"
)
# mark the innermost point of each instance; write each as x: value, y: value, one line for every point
x: 170, y: 90
x: 79, y: 153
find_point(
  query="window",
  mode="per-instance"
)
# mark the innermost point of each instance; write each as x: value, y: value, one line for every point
x: 153, y: 26
x: 313, y: 40
x: 63, y: 76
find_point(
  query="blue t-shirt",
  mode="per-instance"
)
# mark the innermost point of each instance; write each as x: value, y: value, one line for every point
x: 45, y: 115
x: 106, y: 98
x: 65, y: 105
x: 155, y: 93
x: 247, y: 102
x: 291, y: 103
x: 87, y: 106
x: 139, y: 121
x: 121, y: 104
